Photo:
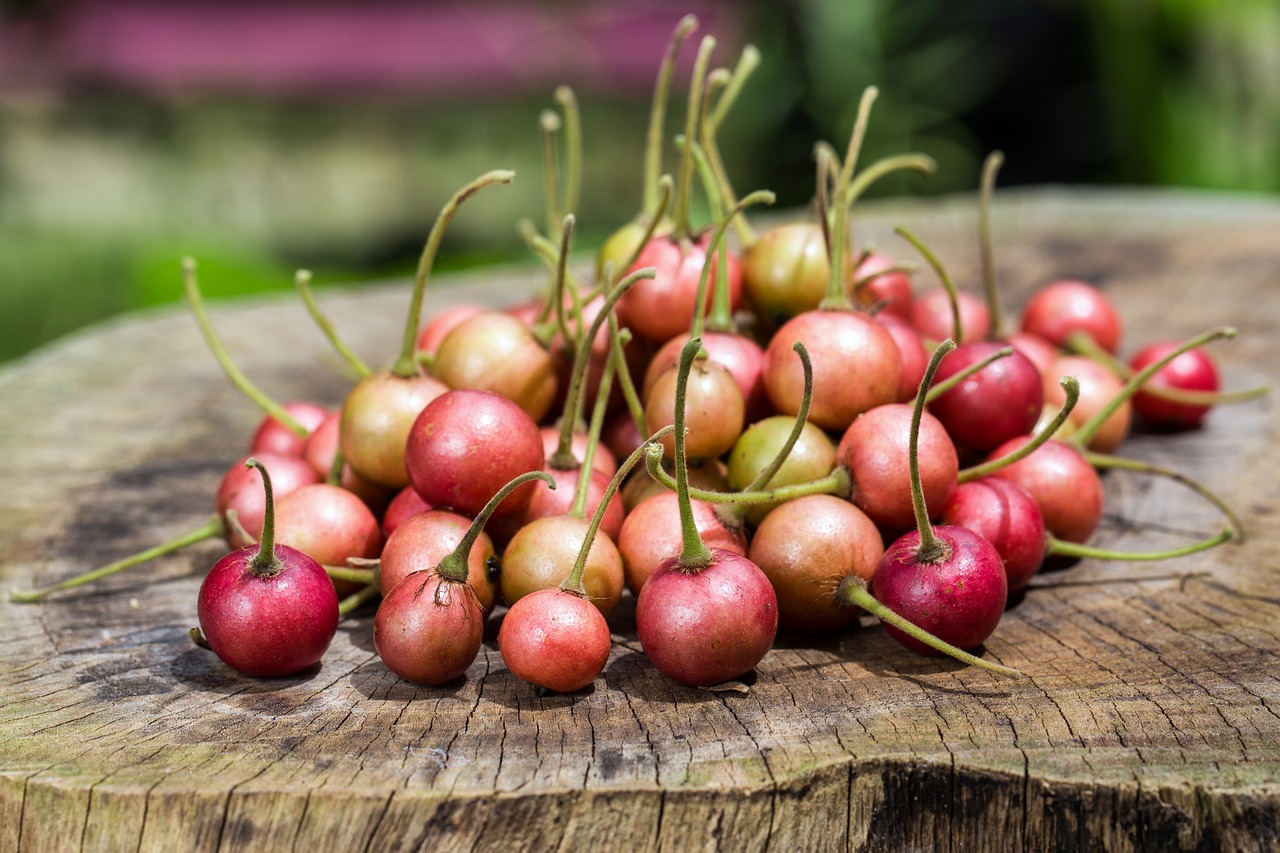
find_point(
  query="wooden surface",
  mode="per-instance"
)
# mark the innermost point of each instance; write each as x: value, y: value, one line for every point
x: 1150, y: 717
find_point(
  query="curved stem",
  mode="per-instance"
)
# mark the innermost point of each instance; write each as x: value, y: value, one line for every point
x: 862, y: 281
x: 694, y: 554
x: 558, y: 289
x: 1103, y: 460
x: 836, y: 483
x: 658, y: 113
x: 684, y: 178
x: 930, y: 547
x: 265, y: 563
x: 921, y: 163
x: 989, y: 169
x: 213, y: 527
x: 453, y: 566
x: 947, y: 284
x: 666, y: 188
x: 612, y: 366
x: 357, y: 598
x: 1058, y: 547
x: 1082, y: 436
x: 748, y: 62
x: 347, y: 573
x: 802, y: 416
x: 573, y: 583
x: 568, y: 103
x: 711, y: 147
x: 406, y: 365
x: 629, y: 395
x: 977, y: 367
x: 334, y: 475
x: 869, y: 96
x: 303, y: 280
x: 191, y: 287
x: 1071, y: 387
x: 549, y: 122
x: 853, y: 590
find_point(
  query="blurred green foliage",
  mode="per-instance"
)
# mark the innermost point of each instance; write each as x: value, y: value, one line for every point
x: 102, y: 191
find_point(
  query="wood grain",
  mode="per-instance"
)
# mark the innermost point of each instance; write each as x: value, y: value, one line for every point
x: 1149, y: 718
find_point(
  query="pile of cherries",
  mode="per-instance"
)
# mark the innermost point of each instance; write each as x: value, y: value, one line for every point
x: 818, y: 440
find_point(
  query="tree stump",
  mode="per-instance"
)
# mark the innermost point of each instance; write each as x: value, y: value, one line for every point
x: 1149, y: 718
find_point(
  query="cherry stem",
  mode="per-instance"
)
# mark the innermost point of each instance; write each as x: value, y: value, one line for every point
x: 684, y: 178
x: 568, y: 103
x: 837, y: 483
x: 989, y: 169
x: 406, y: 365
x: 860, y: 283
x: 762, y: 479
x: 930, y: 548
x: 694, y: 554
x: 213, y: 527
x: 947, y: 284
x: 573, y: 583
x: 977, y: 367
x: 1071, y: 388
x: 549, y: 122
x: 1107, y: 461
x: 347, y: 573
x: 453, y: 566
x: 302, y: 278
x: 334, y: 476
x: 558, y: 287
x: 836, y: 298
x: 921, y: 163
x: 629, y: 395
x: 573, y: 403
x: 859, y: 133
x: 711, y: 147
x: 1082, y: 436
x: 657, y: 115
x: 853, y: 590
x: 191, y: 286
x: 1058, y: 547
x: 1082, y: 343
x: 613, y: 365
x: 825, y: 159
x: 748, y: 62
x: 265, y: 563
x: 357, y: 598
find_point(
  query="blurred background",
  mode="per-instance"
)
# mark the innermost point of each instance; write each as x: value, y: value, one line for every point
x: 264, y: 136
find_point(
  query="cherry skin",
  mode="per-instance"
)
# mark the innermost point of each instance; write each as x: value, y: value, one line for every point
x: 932, y: 318
x: 542, y: 553
x: 1098, y: 386
x: 891, y: 290
x: 328, y: 523
x: 785, y: 272
x: 741, y: 356
x: 662, y: 307
x: 466, y: 444
x: 428, y: 629
x: 496, y: 352
x: 715, y: 409
x: 958, y: 598
x: 241, y: 490
x: 319, y: 451
x: 1065, y: 486
x: 1042, y: 353
x: 999, y: 402
x: 439, y: 326
x: 1062, y: 308
x: 274, y: 437
x: 555, y: 639
x: 812, y: 456
x: 376, y: 418
x: 406, y: 503
x: 650, y: 535
x: 1006, y: 515
x: 708, y: 626
x: 874, y: 450
x: 841, y: 344
x: 806, y: 547
x: 915, y: 358
x: 423, y: 540
x: 1194, y: 370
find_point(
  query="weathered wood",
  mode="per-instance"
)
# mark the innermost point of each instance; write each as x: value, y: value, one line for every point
x: 1150, y: 718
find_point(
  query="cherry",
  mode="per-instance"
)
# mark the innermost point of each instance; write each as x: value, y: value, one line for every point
x: 813, y: 455
x: 465, y: 444
x: 1098, y: 387
x: 406, y: 503
x: 272, y: 436
x: 1065, y: 486
x: 1001, y: 401
x: 439, y: 326
x: 429, y: 627
x: 321, y: 453
x: 915, y: 358
x: 241, y: 490
x: 1007, y: 516
x: 651, y: 535
x: 268, y: 610
x: 1062, y: 308
x: 741, y: 356
x: 716, y: 413
x: 880, y: 281
x: 932, y: 317
x: 422, y: 540
x: 806, y: 547
x: 494, y: 351
x: 785, y: 272
x: 379, y: 411
x: 705, y: 616
x: 328, y: 523
x: 1194, y: 370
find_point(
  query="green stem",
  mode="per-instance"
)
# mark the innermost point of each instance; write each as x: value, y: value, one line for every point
x: 568, y: 104
x: 853, y: 590
x: 989, y: 169
x: 658, y: 113
x: 684, y: 178
x: 1058, y: 547
x: 836, y: 298
x: 1107, y: 461
x: 303, y: 280
x: 406, y: 366
x: 921, y: 163
x: 613, y: 365
x: 346, y: 573
x: 930, y: 548
x: 1071, y: 387
x: 748, y: 62
x: 762, y: 479
x: 837, y: 483
x: 694, y: 554
x: 265, y: 563
x: 1082, y: 436
x: 947, y: 284
x: 191, y: 286
x: 723, y: 186
x: 977, y: 367
x: 862, y: 281
x: 558, y: 288
x: 549, y: 122
x: 869, y: 96
x: 357, y: 598
x: 213, y: 527
x: 453, y: 566
x: 629, y: 395
x: 334, y: 475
